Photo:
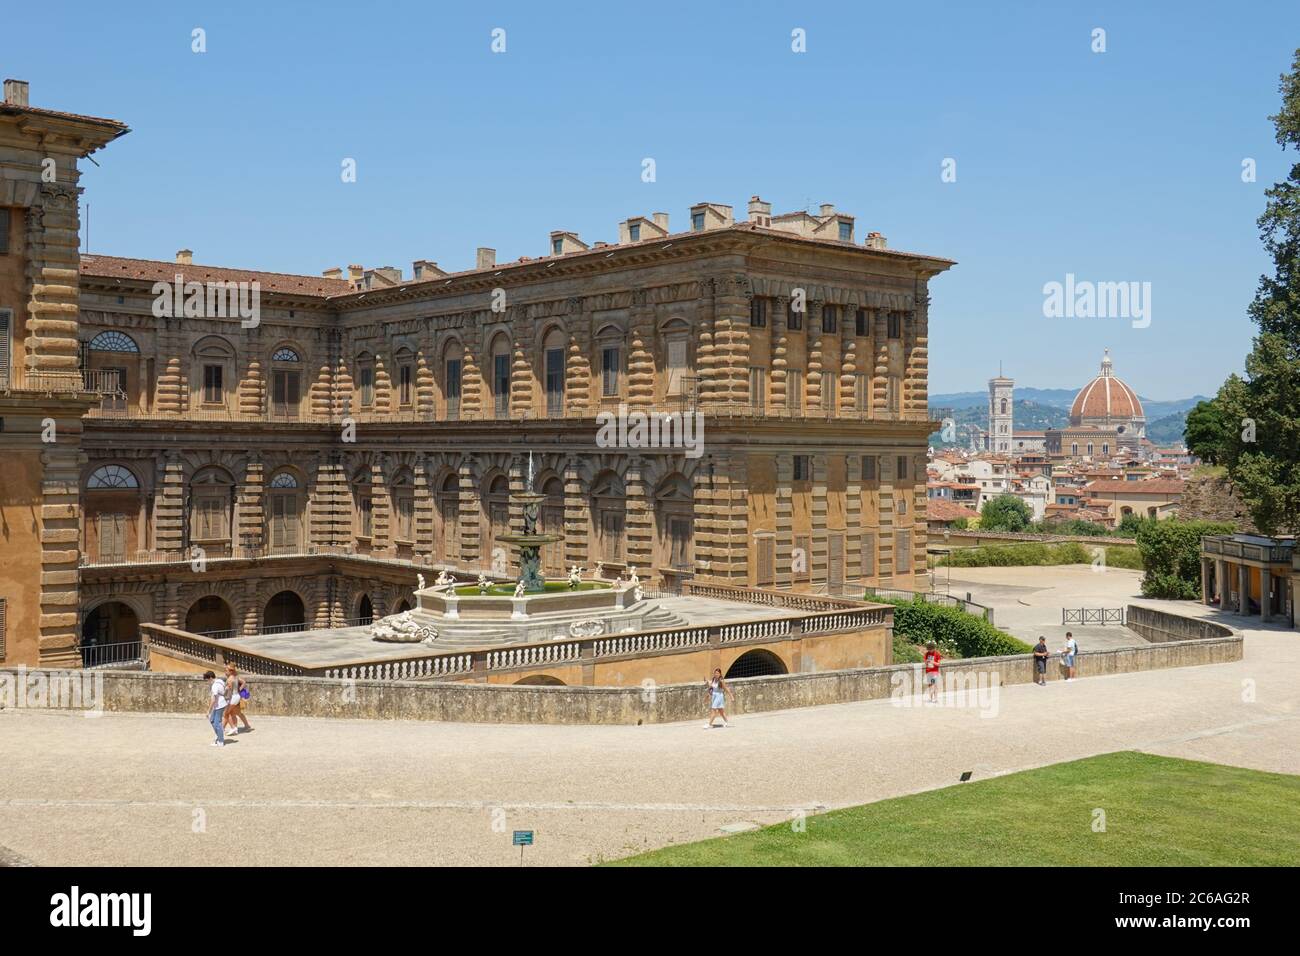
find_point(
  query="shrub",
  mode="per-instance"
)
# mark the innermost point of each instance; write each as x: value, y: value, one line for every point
x: 905, y: 652
x: 1032, y: 553
x: 1006, y: 513
x: 1171, y: 555
x: 957, y: 633
x: 1122, y: 556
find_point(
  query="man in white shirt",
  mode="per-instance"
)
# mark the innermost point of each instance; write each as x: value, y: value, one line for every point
x: 217, y: 707
x: 1068, y: 653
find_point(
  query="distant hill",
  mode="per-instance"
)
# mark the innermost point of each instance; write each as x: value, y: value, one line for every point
x: 1027, y: 415
x: 1061, y: 398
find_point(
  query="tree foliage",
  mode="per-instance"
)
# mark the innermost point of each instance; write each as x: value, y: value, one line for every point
x: 1171, y: 556
x: 1005, y: 513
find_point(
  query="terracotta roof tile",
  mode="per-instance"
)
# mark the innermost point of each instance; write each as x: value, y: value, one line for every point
x: 153, y: 270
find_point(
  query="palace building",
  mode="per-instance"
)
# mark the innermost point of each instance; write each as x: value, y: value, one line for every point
x: 232, y: 476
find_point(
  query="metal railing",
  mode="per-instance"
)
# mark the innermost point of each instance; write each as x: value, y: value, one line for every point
x: 111, y: 655
x: 1092, y: 615
x: 70, y: 381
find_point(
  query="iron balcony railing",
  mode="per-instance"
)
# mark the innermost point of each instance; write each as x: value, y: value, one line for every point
x: 111, y: 655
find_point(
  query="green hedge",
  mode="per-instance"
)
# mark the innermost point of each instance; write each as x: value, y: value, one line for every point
x: 1171, y: 554
x: 1031, y: 553
x: 957, y: 633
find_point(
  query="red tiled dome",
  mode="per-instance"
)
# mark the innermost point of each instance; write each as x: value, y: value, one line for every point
x: 1106, y: 398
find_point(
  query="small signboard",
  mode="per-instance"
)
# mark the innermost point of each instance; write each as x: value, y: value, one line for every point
x: 523, y: 838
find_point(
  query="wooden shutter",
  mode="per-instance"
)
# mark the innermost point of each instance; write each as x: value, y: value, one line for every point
x: 835, y: 572
x: 766, y: 561
x: 868, y: 554
x: 804, y: 542
x: 3, y: 626
x: 676, y: 364
x: 6, y: 319
x: 112, y: 537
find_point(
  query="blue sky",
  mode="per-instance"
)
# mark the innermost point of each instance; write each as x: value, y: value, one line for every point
x: 1115, y: 166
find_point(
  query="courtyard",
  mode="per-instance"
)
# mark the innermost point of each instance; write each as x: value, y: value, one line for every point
x: 127, y: 789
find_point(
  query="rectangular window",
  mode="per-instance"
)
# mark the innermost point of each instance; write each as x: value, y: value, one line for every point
x: 902, y: 505
x: 634, y: 232
x: 846, y: 232
x: 697, y: 222
x: 404, y: 385
x: 611, y: 366
x: 211, y: 513
x: 801, y: 468
x: 801, y: 559
x: 794, y: 389
x: 830, y: 319
x: 6, y: 320
x: 765, y: 562
x: 112, y: 537
x: 611, y: 536
x: 869, y: 467
x: 555, y: 381
x: 406, y: 518
x: 868, y: 554
x: 895, y: 325
x: 793, y: 318
x: 903, y: 552
x: 366, y: 376
x: 676, y: 365
x: 895, y: 394
x: 501, y: 383
x: 679, y: 542
x: 4, y: 625
x: 902, y: 468
x: 758, y: 313
x: 861, y: 392
x: 366, y: 516
x: 284, y: 393
x: 758, y: 388
x: 453, y: 388
x: 213, y: 394
x: 556, y: 246
x: 5, y: 216
x: 860, y: 322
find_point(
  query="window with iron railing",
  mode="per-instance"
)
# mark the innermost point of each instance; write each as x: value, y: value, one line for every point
x: 501, y: 384
x: 555, y: 382
x: 453, y: 387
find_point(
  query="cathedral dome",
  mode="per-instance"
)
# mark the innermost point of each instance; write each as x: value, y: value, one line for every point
x: 1107, y: 401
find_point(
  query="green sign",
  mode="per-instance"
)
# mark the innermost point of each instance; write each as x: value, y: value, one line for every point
x: 523, y: 838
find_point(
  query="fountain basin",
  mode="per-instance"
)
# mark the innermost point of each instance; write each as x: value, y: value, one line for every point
x: 465, y: 602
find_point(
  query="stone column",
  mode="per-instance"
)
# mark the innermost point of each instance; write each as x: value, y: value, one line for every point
x: 1221, y: 582
x: 1243, y: 588
x: 1265, y: 583
x: 1207, y: 590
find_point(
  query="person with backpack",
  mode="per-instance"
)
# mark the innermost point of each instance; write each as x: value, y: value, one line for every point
x: 1068, y: 654
x: 1041, y: 654
x: 239, y: 693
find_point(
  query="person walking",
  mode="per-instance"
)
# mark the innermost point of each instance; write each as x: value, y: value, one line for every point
x: 932, y: 659
x: 718, y: 692
x: 1068, y: 654
x: 1040, y: 661
x: 237, y: 689
x: 217, y: 707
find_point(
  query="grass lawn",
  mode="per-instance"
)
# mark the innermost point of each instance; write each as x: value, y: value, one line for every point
x: 1160, y: 811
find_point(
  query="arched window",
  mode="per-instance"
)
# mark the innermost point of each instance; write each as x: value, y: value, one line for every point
x: 675, y: 523
x: 608, y: 518
x: 403, y: 492
x: 553, y: 372
x: 284, y: 514
x: 111, y: 476
x: 611, y: 353
x: 496, y: 509
x: 551, y: 519
x: 113, y: 342
x: 213, y: 372
x: 1004, y: 406
x: 449, y: 518
x: 212, y: 502
x: 286, y: 383
x: 501, y: 376
x: 453, y: 361
x: 363, y: 504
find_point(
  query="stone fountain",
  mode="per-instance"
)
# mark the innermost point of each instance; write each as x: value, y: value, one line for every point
x: 529, y: 544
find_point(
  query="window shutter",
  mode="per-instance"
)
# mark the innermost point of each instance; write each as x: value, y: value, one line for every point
x: 3, y: 628
x: 6, y: 318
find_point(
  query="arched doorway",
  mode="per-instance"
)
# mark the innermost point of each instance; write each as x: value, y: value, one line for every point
x: 110, y: 634
x: 284, y: 613
x: 448, y: 519
x: 403, y: 605
x: 756, y: 663
x: 496, y: 509
x: 210, y: 617
x: 541, y: 680
x: 674, y: 523
x: 365, y: 611
x: 113, y: 507
x: 608, y: 516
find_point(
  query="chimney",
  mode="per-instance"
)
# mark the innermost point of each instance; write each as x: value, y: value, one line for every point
x: 355, y: 273
x: 875, y: 240
x: 392, y: 275
x: 16, y: 93
x: 335, y: 273
x: 184, y: 257
x: 426, y: 269
x: 828, y: 209
x: 760, y: 213
x: 661, y: 220
x: 485, y: 258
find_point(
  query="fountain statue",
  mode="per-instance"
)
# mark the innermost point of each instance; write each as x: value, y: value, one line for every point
x: 529, y: 544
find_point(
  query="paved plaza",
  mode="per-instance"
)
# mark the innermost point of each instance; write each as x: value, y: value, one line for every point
x: 148, y: 789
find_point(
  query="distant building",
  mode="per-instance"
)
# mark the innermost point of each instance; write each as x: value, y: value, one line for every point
x: 1108, y: 403
x: 1000, y: 414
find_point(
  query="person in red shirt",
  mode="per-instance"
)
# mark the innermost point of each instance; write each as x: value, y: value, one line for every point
x: 932, y: 659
